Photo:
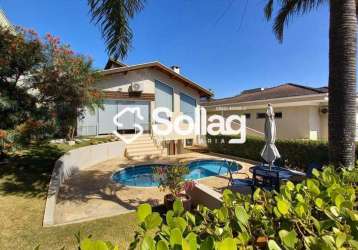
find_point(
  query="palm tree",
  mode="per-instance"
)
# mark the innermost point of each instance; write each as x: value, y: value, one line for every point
x: 113, y: 17
x: 342, y: 68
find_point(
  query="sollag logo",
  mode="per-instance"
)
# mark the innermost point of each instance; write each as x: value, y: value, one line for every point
x: 165, y: 124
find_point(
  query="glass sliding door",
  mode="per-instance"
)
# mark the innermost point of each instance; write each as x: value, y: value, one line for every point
x: 187, y: 105
x: 105, y: 117
x: 128, y: 119
x: 163, y: 96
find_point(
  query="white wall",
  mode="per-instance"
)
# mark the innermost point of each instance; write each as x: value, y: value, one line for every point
x: 295, y: 123
x: 73, y: 161
x: 314, y: 123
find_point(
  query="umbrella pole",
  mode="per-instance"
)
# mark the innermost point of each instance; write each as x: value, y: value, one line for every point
x: 270, y: 166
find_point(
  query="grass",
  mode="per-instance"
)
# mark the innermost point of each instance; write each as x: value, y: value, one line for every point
x: 23, y: 189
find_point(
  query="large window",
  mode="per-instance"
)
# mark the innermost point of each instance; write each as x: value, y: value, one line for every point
x: 187, y: 105
x: 163, y: 96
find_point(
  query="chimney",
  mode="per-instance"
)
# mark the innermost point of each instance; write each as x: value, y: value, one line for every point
x: 176, y: 69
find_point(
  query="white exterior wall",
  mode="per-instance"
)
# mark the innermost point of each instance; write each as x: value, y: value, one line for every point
x: 314, y: 123
x: 147, y: 77
x: 296, y: 123
x: 300, y: 122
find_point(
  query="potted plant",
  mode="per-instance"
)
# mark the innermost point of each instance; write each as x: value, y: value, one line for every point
x: 172, y: 178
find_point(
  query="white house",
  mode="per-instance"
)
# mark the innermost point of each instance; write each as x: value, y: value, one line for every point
x: 146, y: 87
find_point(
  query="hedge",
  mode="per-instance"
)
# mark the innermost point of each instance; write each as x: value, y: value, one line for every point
x: 294, y: 153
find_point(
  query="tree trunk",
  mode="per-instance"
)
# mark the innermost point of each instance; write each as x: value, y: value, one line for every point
x: 342, y: 82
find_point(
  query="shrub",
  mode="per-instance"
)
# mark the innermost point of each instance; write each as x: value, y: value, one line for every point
x: 172, y: 178
x: 32, y: 130
x: 320, y: 213
x: 294, y: 153
x: 2, y: 143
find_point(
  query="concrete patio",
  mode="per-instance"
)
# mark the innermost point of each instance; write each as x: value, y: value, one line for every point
x: 91, y: 193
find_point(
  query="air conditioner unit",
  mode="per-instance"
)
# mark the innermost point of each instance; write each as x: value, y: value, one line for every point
x: 136, y: 87
x: 323, y: 110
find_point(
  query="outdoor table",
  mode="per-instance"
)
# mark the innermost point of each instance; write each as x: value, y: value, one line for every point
x: 284, y: 173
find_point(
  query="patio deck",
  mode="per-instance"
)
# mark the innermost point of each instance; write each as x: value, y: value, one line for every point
x: 91, y: 193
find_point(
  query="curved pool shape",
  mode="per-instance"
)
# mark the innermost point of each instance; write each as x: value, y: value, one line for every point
x: 142, y: 175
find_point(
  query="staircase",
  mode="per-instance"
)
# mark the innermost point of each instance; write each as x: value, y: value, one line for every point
x: 143, y: 148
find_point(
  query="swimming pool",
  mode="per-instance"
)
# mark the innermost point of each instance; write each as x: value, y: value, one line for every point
x: 142, y: 175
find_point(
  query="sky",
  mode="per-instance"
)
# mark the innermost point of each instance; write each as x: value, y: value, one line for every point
x: 224, y: 45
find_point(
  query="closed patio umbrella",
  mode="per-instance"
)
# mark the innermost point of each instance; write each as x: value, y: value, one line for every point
x: 270, y: 153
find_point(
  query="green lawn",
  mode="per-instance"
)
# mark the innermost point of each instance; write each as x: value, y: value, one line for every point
x: 23, y: 188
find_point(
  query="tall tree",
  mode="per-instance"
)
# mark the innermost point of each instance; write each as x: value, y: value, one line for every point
x: 113, y: 17
x: 20, y: 55
x: 342, y: 68
x: 65, y: 82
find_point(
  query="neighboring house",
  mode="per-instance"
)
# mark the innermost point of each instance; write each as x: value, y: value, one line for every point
x: 144, y: 86
x: 301, y: 112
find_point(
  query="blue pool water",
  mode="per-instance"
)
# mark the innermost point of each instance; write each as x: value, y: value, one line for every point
x: 142, y: 175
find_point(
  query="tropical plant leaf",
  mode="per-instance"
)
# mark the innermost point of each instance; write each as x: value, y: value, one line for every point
x: 113, y: 18
x: 288, y: 238
x: 272, y: 245
x: 175, y: 237
x: 147, y: 243
x: 161, y: 245
x: 192, y: 240
x: 152, y: 221
x: 178, y: 207
x: 227, y: 244
x: 241, y: 215
x: 143, y: 211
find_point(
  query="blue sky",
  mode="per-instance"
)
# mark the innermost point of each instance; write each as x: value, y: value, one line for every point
x: 225, y: 45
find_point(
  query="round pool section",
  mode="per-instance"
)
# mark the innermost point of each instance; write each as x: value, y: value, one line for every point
x: 142, y: 175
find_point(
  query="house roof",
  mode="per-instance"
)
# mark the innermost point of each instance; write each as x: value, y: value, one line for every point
x: 157, y: 65
x: 281, y: 91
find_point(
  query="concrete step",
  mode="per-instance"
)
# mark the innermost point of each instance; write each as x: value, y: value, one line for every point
x: 141, y: 145
x: 141, y: 136
x: 141, y: 154
x: 141, y: 140
x: 148, y: 150
x: 144, y: 157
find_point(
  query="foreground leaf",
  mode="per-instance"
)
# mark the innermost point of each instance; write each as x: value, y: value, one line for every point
x: 143, y: 211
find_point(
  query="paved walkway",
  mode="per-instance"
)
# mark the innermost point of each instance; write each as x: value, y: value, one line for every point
x: 91, y: 193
